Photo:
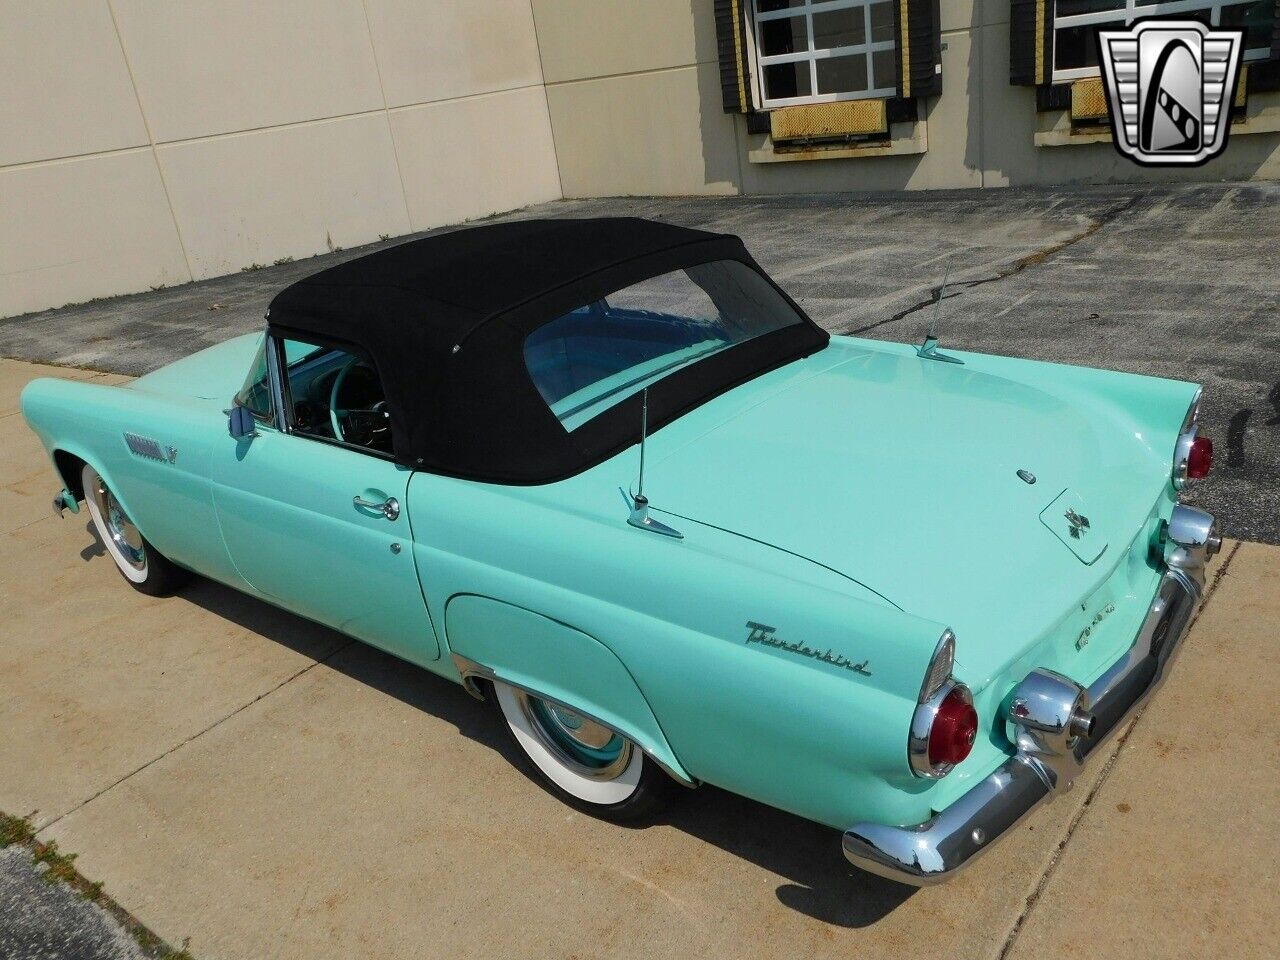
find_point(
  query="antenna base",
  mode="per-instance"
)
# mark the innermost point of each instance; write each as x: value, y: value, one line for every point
x: 929, y: 351
x: 640, y: 518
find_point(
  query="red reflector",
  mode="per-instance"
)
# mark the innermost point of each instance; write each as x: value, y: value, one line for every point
x: 954, y: 727
x: 1200, y: 459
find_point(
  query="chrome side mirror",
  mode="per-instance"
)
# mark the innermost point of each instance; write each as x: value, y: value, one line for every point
x: 240, y: 423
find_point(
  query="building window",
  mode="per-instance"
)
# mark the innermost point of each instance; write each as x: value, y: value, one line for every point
x: 811, y: 51
x: 1075, y: 46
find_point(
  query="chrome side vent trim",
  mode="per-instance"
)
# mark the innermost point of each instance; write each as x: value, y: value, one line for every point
x: 149, y: 448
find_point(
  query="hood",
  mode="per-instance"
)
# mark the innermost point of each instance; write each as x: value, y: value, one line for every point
x: 215, y: 373
x: 902, y: 474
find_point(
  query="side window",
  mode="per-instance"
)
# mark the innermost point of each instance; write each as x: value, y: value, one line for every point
x: 337, y: 396
x: 255, y: 395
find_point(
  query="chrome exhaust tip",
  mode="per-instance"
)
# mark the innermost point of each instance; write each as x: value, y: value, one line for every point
x: 1082, y: 724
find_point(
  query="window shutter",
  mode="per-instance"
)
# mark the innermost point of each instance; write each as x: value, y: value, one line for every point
x: 1275, y: 34
x: 1264, y: 76
x: 1029, y: 48
x: 731, y: 40
x: 919, y: 48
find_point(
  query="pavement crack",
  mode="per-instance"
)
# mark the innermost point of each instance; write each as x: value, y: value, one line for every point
x: 1030, y: 260
x: 1043, y: 883
x: 200, y: 733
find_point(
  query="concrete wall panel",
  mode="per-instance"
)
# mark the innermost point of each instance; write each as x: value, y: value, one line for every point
x: 601, y: 38
x: 205, y: 67
x: 77, y: 229
x: 66, y: 89
x: 453, y: 48
x: 648, y: 133
x: 297, y: 191
x: 468, y: 158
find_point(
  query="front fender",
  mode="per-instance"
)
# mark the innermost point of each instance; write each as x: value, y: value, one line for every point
x: 500, y: 641
x: 169, y: 498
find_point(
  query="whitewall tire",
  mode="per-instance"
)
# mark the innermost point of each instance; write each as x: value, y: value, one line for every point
x: 584, y: 763
x: 146, y: 569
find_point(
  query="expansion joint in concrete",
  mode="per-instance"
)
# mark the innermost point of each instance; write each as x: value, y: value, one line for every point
x: 1112, y: 756
x: 195, y: 736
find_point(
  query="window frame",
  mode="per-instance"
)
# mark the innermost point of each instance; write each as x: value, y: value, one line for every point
x: 1128, y: 11
x: 763, y: 61
x: 241, y: 399
x: 282, y: 395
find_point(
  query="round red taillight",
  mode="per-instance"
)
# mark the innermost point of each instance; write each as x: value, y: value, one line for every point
x: 1200, y: 459
x: 953, y: 731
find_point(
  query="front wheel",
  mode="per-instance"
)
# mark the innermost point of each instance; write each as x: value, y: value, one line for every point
x: 584, y: 763
x: 147, y: 570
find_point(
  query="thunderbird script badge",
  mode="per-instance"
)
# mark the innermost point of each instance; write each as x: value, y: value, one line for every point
x: 763, y: 633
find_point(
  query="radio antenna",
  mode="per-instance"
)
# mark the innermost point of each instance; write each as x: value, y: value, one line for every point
x: 932, y: 333
x: 644, y: 437
x: 929, y: 349
x: 639, y: 502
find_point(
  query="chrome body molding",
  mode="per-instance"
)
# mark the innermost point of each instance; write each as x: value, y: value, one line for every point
x: 1053, y: 724
x: 1186, y: 437
x: 470, y: 671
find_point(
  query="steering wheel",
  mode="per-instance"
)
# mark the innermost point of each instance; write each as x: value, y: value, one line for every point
x: 360, y: 424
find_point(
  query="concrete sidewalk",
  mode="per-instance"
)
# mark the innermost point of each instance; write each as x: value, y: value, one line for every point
x: 269, y: 788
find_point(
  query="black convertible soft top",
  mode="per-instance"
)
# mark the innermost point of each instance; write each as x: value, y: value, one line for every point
x: 444, y: 320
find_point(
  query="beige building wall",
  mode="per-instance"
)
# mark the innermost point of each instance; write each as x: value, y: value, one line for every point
x: 637, y: 110
x: 150, y: 142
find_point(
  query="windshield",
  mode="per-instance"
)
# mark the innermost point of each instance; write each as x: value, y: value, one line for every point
x: 593, y: 357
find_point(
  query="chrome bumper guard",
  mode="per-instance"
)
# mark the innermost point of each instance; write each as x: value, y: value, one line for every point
x: 1046, y: 720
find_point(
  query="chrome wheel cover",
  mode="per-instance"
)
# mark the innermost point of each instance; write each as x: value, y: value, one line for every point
x: 118, y: 525
x: 580, y: 743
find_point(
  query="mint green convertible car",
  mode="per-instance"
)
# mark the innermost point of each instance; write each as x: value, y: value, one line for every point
x: 610, y: 477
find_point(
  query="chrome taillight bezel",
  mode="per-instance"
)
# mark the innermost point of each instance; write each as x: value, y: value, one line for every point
x: 1186, y: 438
x: 933, y: 691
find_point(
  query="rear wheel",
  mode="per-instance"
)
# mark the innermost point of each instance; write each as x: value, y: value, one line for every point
x: 584, y: 763
x: 146, y: 569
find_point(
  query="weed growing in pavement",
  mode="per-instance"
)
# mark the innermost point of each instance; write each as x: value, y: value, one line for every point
x: 59, y: 868
x: 15, y: 830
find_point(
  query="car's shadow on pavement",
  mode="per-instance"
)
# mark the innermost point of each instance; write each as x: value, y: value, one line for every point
x: 821, y: 883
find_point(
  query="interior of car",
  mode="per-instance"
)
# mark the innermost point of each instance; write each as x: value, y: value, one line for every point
x: 331, y: 395
x: 336, y: 395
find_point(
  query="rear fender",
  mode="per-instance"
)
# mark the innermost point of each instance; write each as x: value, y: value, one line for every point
x: 495, y: 640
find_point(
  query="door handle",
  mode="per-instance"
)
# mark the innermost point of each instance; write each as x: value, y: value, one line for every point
x: 389, y: 508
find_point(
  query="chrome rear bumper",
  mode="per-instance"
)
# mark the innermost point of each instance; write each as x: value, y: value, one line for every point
x: 1047, y: 756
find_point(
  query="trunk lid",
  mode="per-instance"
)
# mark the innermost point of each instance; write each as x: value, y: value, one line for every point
x: 902, y: 474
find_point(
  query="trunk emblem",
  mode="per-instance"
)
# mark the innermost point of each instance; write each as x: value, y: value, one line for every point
x: 1082, y: 641
x: 1079, y: 523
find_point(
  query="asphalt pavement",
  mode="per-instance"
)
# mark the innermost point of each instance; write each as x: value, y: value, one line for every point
x: 50, y: 921
x: 1171, y: 281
